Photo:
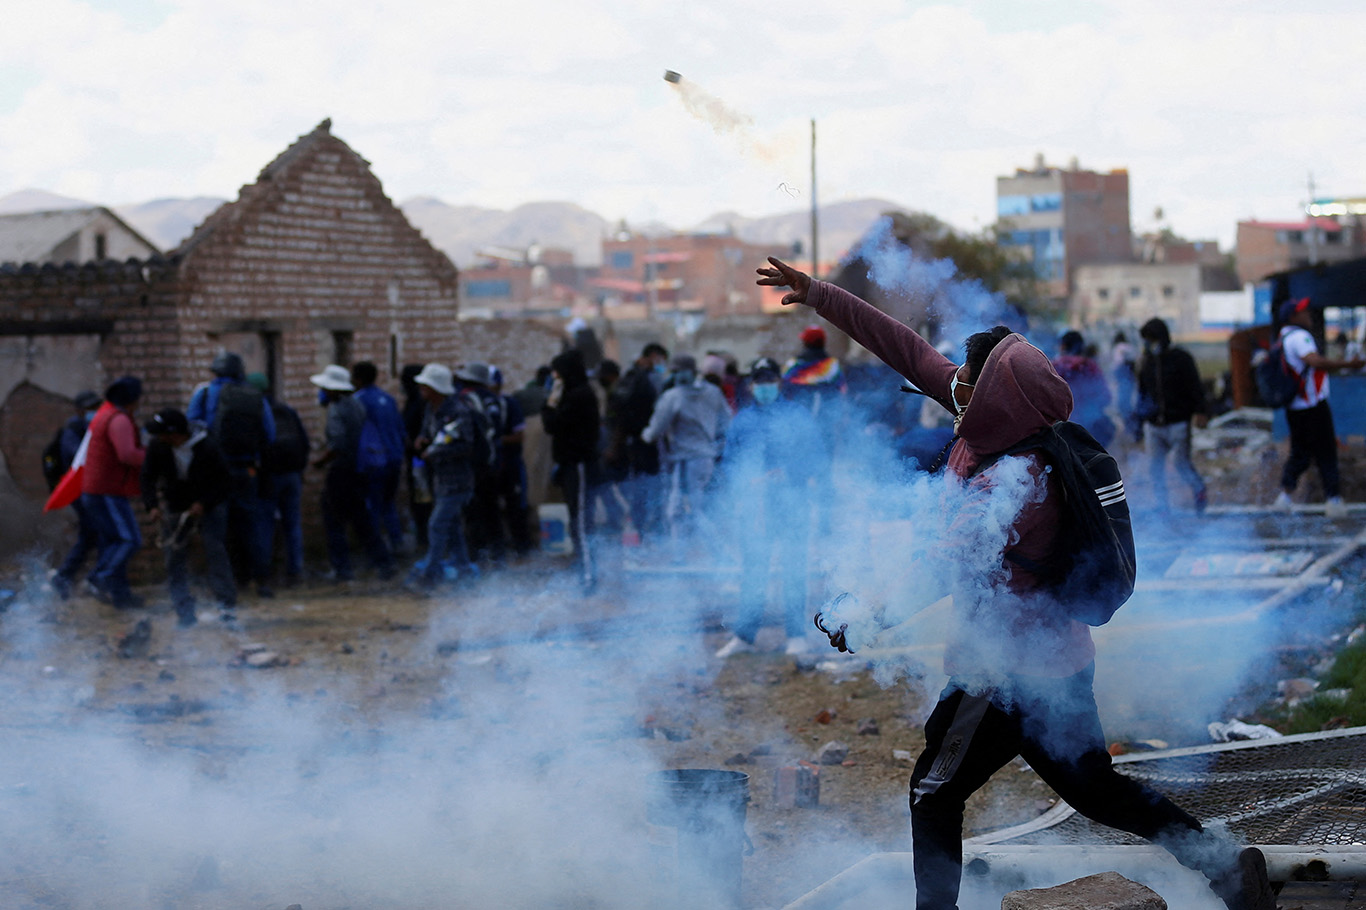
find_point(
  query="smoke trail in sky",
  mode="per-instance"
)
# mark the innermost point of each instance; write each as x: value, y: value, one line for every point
x: 728, y: 122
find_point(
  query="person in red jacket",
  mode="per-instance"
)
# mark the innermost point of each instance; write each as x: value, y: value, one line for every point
x: 109, y: 483
x: 1020, y: 670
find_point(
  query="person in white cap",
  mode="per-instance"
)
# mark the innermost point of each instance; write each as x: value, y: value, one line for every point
x: 446, y: 445
x: 343, y: 500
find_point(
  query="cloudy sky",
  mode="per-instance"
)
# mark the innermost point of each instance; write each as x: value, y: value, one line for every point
x: 1220, y: 111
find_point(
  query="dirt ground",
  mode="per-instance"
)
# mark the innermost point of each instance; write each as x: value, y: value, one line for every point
x: 370, y: 657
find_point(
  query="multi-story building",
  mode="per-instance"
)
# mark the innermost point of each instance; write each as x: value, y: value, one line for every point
x: 1064, y: 218
x: 1129, y: 294
x: 535, y: 281
x: 1267, y: 247
x: 700, y: 275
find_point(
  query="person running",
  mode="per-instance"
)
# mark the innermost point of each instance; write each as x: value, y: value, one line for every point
x: 1020, y: 671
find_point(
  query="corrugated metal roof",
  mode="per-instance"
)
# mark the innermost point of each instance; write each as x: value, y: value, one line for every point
x: 32, y: 236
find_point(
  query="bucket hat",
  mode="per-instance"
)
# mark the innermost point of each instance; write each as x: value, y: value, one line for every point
x: 436, y: 377
x: 333, y: 378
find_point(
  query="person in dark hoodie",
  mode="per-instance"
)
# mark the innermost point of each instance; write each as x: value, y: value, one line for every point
x: 1171, y: 400
x: 1020, y: 672
x: 570, y: 415
x: 185, y: 484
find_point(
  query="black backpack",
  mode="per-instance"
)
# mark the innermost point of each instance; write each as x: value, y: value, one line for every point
x: 1091, y: 573
x: 1277, y: 383
x: 56, y: 462
x: 289, y: 452
x: 237, y: 426
x: 484, y: 452
x: 53, y: 467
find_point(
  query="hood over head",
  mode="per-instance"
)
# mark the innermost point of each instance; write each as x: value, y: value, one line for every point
x: 1017, y: 394
x: 570, y: 368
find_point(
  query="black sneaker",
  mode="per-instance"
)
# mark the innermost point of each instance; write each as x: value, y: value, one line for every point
x: 1245, y: 886
x: 129, y: 602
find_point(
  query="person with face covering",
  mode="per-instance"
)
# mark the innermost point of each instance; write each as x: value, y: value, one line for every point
x: 690, y: 420
x: 769, y: 495
x: 571, y: 417
x: 1020, y: 670
x: 1171, y: 399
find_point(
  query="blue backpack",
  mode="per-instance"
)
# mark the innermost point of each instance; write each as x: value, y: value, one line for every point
x: 371, y: 455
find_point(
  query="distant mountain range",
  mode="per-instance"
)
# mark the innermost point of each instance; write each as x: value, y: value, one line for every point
x: 462, y: 231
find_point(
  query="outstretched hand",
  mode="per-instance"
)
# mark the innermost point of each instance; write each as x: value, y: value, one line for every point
x: 783, y: 275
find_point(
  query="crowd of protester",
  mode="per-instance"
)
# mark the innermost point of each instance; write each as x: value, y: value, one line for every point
x: 666, y: 454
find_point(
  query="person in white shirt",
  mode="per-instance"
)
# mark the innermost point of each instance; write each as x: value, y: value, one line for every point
x: 1312, y: 437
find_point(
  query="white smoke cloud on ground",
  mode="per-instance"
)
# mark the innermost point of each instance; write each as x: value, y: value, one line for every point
x: 523, y: 784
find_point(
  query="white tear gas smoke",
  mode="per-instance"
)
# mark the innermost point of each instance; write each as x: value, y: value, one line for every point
x: 728, y: 122
x: 960, y: 305
x: 521, y: 784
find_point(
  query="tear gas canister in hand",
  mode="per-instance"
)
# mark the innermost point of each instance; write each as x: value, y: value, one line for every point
x: 848, y: 624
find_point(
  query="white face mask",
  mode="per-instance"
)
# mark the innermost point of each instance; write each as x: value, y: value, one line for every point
x: 958, y: 409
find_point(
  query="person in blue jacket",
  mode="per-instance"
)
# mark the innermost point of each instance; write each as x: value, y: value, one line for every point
x: 381, y: 478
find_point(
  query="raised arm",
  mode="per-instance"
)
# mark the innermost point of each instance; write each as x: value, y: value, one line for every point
x: 894, y: 343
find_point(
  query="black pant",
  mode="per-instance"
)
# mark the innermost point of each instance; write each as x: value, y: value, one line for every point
x: 1054, y: 724
x: 1312, y: 438
x: 576, y: 481
x: 343, y: 503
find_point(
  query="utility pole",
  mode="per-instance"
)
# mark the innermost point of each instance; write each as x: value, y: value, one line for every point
x: 815, y: 222
x: 1313, y: 227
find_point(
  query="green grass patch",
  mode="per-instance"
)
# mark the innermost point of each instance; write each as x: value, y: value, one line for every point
x: 1349, y: 672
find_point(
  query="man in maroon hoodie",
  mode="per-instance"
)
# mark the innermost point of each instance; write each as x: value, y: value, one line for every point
x: 1020, y: 673
x: 113, y: 465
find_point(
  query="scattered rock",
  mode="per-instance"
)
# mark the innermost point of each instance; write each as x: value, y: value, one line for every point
x: 868, y: 727
x: 739, y: 758
x: 1294, y: 691
x: 901, y: 755
x: 260, y: 660
x: 1106, y: 891
x: 346, y: 648
x: 136, y: 643
x: 825, y: 716
x: 796, y: 787
x: 832, y: 753
x: 166, y: 676
x: 295, y: 907
x: 761, y: 749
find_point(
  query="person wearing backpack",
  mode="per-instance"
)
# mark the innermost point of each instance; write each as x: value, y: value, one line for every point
x: 281, y: 481
x: 57, y: 458
x: 482, y: 521
x: 1171, y: 399
x: 382, y: 447
x: 343, y: 499
x: 1020, y: 668
x: 1312, y: 435
x: 238, y: 418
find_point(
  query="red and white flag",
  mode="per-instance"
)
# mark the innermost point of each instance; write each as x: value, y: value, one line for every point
x: 68, y: 489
